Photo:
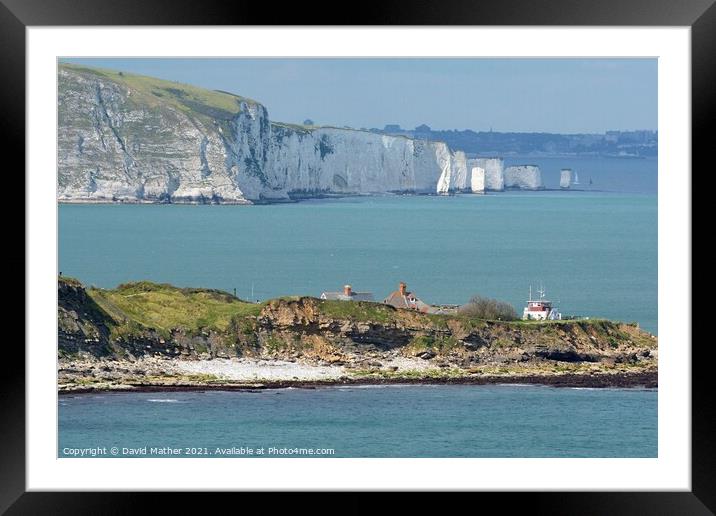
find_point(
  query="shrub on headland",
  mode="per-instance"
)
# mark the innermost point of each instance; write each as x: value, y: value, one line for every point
x: 486, y: 308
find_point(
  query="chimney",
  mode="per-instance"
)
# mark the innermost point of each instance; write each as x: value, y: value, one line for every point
x: 403, y: 288
x: 347, y: 290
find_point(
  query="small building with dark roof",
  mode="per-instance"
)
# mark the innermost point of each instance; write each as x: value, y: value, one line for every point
x: 402, y: 298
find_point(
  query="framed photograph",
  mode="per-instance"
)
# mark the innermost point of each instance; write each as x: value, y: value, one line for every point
x: 425, y: 252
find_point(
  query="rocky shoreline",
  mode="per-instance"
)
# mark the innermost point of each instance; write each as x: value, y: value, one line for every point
x: 154, y: 374
x: 297, y: 198
x: 615, y: 380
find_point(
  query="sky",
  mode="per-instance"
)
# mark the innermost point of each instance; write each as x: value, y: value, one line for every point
x: 504, y: 95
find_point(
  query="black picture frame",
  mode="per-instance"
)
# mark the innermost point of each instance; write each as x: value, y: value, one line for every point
x: 17, y: 15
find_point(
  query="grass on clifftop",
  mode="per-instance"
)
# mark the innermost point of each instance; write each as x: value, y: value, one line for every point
x: 368, y: 311
x: 153, y: 92
x: 358, y: 310
x: 372, y: 312
x: 164, y: 307
x: 206, y: 104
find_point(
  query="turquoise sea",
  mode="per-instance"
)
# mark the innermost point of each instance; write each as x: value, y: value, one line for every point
x: 392, y: 421
x: 595, y: 252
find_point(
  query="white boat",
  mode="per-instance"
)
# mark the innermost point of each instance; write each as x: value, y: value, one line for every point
x: 540, y: 309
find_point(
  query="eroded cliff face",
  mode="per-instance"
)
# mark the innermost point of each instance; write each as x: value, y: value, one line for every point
x: 300, y: 322
x: 477, y: 180
x: 565, y: 178
x: 131, y: 138
x: 121, y: 139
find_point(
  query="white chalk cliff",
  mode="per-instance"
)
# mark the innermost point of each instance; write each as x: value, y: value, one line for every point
x: 130, y: 138
x: 524, y: 177
x: 477, y: 180
x: 494, y: 172
x: 124, y: 137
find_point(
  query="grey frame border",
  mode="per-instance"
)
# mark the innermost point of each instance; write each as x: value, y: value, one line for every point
x: 16, y: 15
